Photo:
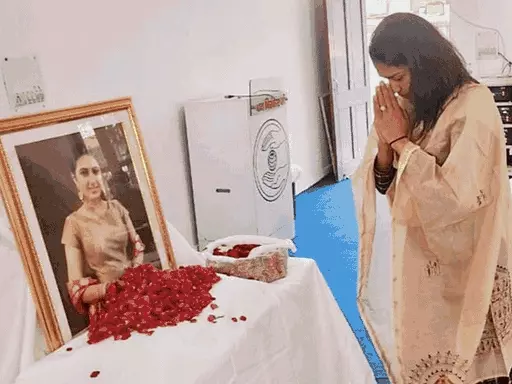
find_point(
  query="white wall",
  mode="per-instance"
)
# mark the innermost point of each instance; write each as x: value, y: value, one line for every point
x: 163, y: 52
x: 496, y: 14
x: 461, y: 33
x: 487, y: 13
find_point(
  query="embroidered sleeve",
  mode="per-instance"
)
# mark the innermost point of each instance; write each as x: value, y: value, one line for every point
x: 446, y: 194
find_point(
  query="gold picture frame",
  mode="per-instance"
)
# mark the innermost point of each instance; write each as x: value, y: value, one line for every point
x: 24, y: 140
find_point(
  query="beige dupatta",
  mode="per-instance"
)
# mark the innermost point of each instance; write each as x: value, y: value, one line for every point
x: 449, y: 313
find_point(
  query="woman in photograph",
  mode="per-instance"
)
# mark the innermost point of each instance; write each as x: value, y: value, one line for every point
x: 96, y: 238
x: 437, y: 151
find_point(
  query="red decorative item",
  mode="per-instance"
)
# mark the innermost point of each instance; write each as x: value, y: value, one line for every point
x: 239, y: 251
x: 243, y: 318
x: 69, y: 349
x: 214, y: 306
x: 250, y: 257
x: 146, y: 298
x: 234, y: 319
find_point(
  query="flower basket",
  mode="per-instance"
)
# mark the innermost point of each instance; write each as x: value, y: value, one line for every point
x: 250, y: 257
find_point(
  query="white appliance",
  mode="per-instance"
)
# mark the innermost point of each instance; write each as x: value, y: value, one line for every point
x: 240, y: 168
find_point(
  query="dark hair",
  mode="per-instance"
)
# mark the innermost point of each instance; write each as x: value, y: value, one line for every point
x: 74, y: 161
x: 437, y: 69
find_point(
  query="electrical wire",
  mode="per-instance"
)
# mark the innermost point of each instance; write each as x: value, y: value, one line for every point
x: 501, y: 53
x: 508, y: 64
x: 249, y: 96
x: 480, y: 27
x: 260, y: 92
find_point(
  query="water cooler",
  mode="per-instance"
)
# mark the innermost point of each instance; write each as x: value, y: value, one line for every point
x: 240, y: 166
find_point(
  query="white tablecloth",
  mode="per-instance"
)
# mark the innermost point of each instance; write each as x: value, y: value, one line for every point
x: 294, y: 333
x: 20, y: 341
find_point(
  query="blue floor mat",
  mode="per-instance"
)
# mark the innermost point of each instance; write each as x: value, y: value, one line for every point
x: 326, y: 231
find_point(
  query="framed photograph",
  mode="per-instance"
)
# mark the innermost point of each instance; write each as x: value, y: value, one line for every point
x: 82, y: 204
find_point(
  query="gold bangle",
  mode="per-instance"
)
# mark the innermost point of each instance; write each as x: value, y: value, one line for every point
x: 382, y: 175
x: 381, y: 171
x: 385, y: 180
x: 391, y: 176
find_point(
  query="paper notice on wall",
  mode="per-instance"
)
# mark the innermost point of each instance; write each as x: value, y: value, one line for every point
x: 23, y: 83
x: 487, y: 45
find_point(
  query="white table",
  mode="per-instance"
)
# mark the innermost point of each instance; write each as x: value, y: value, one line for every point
x: 294, y: 333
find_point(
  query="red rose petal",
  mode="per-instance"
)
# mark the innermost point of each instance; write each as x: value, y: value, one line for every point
x: 238, y: 251
x: 69, y: 349
x: 234, y: 319
x: 95, y: 374
x: 146, y: 298
x: 243, y: 318
x: 214, y: 306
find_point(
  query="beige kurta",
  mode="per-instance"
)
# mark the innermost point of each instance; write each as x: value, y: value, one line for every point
x: 451, y: 227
